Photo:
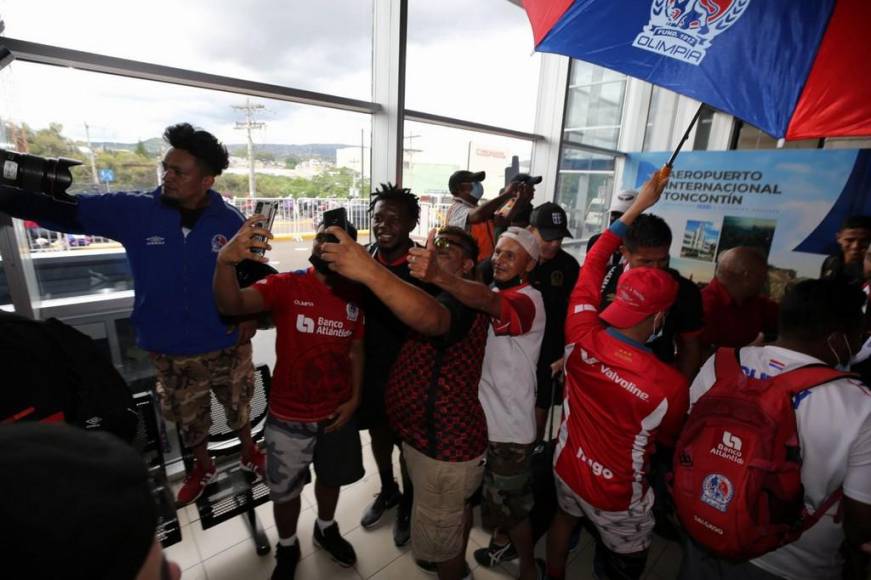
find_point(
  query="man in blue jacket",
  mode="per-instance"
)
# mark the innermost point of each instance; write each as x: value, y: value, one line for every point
x: 172, y: 236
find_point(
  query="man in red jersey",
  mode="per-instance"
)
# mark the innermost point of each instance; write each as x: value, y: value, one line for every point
x: 315, y: 389
x: 620, y: 399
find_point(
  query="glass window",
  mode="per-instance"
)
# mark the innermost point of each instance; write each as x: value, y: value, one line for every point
x: 585, y: 197
x: 659, y: 131
x: 594, y: 108
x: 319, y: 46
x: 473, y: 61
x: 311, y: 156
x: 749, y: 137
x: 433, y: 153
x: 703, y: 129
x: 594, y: 112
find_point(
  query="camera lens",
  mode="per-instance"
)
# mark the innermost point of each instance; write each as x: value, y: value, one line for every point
x: 32, y: 173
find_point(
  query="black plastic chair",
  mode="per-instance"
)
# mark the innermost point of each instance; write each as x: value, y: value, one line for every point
x: 234, y: 492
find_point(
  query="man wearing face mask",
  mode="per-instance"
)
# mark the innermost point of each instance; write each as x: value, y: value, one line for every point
x: 315, y: 389
x: 820, y: 324
x: 620, y: 400
x: 172, y: 236
x: 646, y: 245
x: 480, y: 220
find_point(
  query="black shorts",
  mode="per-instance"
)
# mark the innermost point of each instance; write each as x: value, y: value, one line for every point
x: 291, y: 447
x: 372, y: 411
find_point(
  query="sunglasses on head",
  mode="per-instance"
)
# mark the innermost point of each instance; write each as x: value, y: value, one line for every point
x: 442, y: 243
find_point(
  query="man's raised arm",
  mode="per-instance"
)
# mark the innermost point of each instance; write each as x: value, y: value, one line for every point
x: 414, y: 307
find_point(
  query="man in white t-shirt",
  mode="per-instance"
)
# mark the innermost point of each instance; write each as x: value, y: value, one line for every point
x: 508, y: 384
x: 820, y: 322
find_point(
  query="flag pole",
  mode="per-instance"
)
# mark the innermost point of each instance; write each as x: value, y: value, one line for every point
x: 685, y: 137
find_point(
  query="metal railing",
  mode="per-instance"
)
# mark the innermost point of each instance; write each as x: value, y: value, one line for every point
x: 296, y: 219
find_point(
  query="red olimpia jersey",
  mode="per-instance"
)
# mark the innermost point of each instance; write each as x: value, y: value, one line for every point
x: 316, y: 325
x: 620, y: 399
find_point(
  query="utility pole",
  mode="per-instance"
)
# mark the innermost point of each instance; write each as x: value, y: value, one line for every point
x: 93, y: 157
x: 248, y: 125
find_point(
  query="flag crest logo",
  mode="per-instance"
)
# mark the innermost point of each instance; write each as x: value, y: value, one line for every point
x: 685, y: 29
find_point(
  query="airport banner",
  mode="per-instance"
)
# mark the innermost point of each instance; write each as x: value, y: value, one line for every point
x: 789, y: 203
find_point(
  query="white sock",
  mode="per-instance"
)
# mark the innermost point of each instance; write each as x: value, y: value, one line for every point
x: 286, y: 542
x: 324, y: 524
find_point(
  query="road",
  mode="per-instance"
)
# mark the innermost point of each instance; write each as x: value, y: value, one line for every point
x: 288, y: 255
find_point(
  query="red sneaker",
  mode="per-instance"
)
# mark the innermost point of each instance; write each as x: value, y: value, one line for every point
x: 194, y: 483
x: 256, y: 463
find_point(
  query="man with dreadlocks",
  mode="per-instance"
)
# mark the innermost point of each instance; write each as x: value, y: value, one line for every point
x: 395, y: 212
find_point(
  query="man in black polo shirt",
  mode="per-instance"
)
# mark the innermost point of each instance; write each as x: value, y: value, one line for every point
x: 646, y: 245
x: 554, y: 277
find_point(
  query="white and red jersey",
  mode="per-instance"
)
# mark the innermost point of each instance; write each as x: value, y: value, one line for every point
x: 620, y: 398
x: 508, y: 376
x: 315, y: 326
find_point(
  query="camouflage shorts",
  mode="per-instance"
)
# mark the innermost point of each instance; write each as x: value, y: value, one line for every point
x: 507, y: 485
x: 184, y: 382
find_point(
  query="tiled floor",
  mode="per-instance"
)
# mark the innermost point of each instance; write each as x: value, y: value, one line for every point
x: 226, y: 551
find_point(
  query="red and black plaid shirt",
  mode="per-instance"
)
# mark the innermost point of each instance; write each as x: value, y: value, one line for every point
x: 432, y: 393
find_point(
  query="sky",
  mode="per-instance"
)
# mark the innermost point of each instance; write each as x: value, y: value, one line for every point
x: 471, y: 60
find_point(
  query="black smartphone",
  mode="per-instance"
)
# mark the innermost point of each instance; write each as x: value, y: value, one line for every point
x: 336, y: 217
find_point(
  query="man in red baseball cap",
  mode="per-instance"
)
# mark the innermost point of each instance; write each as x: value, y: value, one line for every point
x: 620, y: 400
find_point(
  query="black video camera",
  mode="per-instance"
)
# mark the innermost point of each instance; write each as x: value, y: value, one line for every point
x: 31, y: 173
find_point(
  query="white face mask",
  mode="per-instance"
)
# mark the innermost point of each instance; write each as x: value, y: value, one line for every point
x: 477, y: 190
x: 851, y: 358
x: 657, y: 333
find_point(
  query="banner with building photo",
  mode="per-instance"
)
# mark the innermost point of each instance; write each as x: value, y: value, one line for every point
x: 787, y: 203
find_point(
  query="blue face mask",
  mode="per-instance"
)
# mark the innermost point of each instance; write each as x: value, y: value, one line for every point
x: 477, y: 190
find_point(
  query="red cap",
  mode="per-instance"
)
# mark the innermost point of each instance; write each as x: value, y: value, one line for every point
x: 641, y: 292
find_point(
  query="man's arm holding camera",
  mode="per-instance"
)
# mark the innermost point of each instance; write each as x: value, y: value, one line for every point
x: 27, y: 205
x: 414, y: 307
x: 488, y: 209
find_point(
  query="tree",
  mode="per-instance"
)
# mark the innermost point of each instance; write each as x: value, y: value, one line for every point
x: 50, y: 142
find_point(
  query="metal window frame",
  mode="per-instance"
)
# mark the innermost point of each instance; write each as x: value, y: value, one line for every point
x: 389, y: 42
x: 53, y: 55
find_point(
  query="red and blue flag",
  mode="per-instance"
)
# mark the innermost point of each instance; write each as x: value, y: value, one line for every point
x: 798, y: 69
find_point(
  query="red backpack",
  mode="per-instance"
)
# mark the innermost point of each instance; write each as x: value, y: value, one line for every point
x: 737, y: 476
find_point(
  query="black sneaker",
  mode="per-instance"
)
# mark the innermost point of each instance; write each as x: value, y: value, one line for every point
x: 286, y: 559
x: 335, y: 545
x: 383, y: 502
x: 402, y: 526
x: 493, y: 555
x: 432, y: 568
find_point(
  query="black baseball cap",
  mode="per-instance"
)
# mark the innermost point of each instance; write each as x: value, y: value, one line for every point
x: 75, y: 503
x: 464, y: 176
x: 550, y: 220
x: 527, y: 178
